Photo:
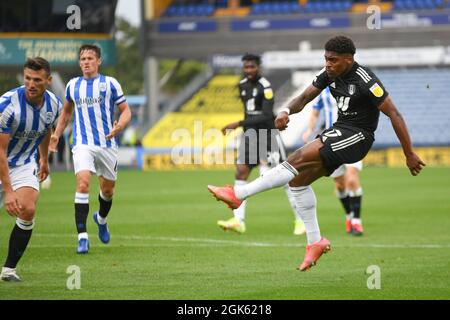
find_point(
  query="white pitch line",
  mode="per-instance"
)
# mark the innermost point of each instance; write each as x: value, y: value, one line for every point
x: 205, y: 241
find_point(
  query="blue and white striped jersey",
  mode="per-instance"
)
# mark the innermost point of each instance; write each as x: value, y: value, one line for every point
x: 328, y: 103
x: 94, y: 101
x: 27, y: 124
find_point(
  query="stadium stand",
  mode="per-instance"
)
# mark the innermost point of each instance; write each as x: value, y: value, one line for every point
x: 219, y: 95
x: 327, y: 6
x: 421, y: 95
x: 282, y: 7
x: 418, y: 4
x: 266, y: 7
x: 215, y: 105
x: 189, y: 10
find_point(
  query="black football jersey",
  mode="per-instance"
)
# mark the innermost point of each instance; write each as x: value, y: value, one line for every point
x: 258, y: 100
x: 358, y: 94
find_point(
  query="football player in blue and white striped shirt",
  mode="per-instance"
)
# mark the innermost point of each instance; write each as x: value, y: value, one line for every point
x: 94, y: 97
x: 27, y: 115
x: 346, y: 177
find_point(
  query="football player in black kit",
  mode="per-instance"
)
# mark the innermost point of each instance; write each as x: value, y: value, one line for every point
x: 360, y: 96
x: 261, y: 144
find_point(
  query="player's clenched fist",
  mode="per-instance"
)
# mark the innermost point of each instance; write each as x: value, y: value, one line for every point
x: 281, y: 121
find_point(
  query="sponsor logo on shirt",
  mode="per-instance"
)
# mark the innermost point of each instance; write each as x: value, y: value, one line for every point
x: 89, y: 101
x: 268, y: 93
x: 377, y: 90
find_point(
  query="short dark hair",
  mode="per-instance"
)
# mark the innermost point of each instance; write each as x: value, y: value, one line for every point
x: 92, y: 47
x: 37, y: 64
x: 251, y: 57
x: 341, y: 44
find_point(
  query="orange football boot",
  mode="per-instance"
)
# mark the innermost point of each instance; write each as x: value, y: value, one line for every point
x: 313, y: 253
x: 225, y: 194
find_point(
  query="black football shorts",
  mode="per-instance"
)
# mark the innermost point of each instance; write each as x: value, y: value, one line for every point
x: 344, y: 145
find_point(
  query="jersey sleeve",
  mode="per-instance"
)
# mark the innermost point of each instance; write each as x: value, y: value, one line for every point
x: 268, y: 100
x: 117, y: 93
x: 6, y: 115
x: 375, y: 90
x: 321, y: 81
x: 58, y: 110
x: 319, y: 103
x: 68, y: 97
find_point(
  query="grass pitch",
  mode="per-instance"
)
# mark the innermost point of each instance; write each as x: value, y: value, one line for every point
x: 165, y: 243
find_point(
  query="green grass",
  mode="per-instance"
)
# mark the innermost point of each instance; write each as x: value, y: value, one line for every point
x: 165, y: 243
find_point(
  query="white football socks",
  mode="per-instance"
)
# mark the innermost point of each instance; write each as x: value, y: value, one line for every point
x: 275, y: 177
x: 292, y: 202
x: 83, y: 235
x: 239, y: 213
x: 342, y: 194
x: 263, y: 168
x: 306, y: 203
x: 356, y: 193
x: 100, y: 219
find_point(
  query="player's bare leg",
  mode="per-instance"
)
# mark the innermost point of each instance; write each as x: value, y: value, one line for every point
x: 21, y: 233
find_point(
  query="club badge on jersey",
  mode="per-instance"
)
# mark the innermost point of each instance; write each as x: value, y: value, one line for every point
x: 351, y: 89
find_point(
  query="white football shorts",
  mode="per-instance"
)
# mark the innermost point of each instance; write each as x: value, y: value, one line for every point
x: 98, y: 160
x: 24, y: 176
x: 339, y: 172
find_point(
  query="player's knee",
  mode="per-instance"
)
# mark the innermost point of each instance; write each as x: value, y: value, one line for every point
x: 353, y: 183
x: 83, y: 186
x: 108, y: 193
x: 27, y: 212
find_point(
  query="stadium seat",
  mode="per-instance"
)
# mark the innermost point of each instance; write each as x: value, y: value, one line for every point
x: 418, y: 4
x: 277, y: 7
x: 419, y: 94
x: 189, y: 10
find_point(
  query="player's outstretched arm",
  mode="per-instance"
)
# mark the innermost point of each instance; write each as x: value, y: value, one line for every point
x: 296, y: 105
x: 124, y: 119
x: 413, y: 161
x: 230, y: 126
x: 63, y: 120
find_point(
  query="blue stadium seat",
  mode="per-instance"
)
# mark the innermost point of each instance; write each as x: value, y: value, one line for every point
x: 421, y: 95
x: 189, y: 10
x: 418, y: 4
x: 327, y: 6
